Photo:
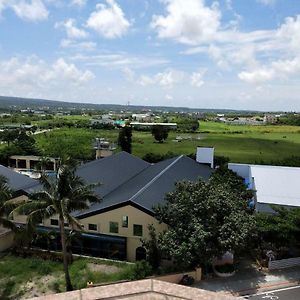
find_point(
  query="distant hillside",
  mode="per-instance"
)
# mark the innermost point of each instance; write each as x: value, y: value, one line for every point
x: 17, y: 103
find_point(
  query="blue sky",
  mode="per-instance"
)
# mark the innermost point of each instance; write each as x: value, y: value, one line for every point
x: 238, y: 54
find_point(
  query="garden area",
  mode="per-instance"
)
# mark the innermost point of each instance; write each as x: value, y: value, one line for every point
x: 22, y: 278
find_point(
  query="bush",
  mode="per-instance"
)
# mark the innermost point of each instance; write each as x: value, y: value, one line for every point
x: 141, y: 270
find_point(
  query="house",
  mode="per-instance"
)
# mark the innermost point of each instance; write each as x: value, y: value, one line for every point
x: 273, y: 185
x: 130, y: 188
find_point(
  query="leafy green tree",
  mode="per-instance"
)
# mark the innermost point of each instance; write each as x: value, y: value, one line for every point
x: 160, y: 133
x: 125, y: 138
x: 61, y: 196
x: 9, y: 136
x: 26, y: 143
x: 205, y: 220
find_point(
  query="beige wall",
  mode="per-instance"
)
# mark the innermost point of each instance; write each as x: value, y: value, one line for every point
x: 135, y: 216
x: 6, y: 239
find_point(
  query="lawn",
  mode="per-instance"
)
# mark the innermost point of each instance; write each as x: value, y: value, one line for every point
x: 22, y: 278
x: 245, y: 144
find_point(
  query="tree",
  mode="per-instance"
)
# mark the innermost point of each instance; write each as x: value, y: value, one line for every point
x: 61, y: 196
x: 160, y: 133
x: 125, y: 138
x: 5, y: 195
x: 205, y: 220
x: 154, y: 254
x: 25, y: 143
x: 9, y: 136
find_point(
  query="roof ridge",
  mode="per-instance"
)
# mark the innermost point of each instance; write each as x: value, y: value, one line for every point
x: 155, y: 178
x: 135, y: 175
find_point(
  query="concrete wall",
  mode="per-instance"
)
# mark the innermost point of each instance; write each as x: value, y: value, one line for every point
x: 175, y: 278
x: 6, y: 239
x: 135, y: 216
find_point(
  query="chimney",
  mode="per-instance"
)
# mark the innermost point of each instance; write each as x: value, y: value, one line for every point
x: 205, y: 155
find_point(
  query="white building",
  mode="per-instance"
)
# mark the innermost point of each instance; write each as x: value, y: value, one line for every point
x: 273, y: 185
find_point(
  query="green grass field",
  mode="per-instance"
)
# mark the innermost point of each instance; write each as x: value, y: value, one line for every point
x: 245, y: 144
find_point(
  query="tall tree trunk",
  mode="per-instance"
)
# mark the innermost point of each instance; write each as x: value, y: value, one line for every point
x: 69, y: 286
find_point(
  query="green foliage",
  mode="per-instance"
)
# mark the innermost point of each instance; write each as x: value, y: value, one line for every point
x: 205, y: 220
x: 154, y: 254
x: 187, y: 124
x: 281, y: 228
x: 125, y: 138
x: 140, y: 270
x: 290, y: 119
x: 154, y: 158
x: 160, y: 133
x: 25, y: 143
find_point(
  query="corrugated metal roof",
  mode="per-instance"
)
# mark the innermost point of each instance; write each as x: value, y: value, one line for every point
x: 18, y: 181
x: 277, y: 185
x: 149, y: 187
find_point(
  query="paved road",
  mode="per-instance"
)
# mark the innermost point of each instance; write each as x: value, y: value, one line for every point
x: 291, y: 293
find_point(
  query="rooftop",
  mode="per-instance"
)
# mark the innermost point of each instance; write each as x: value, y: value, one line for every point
x: 274, y: 184
x: 127, y: 179
x: 148, y: 289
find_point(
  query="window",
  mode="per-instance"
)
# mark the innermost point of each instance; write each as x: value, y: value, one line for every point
x: 54, y: 222
x: 114, y: 227
x: 93, y: 227
x: 125, y: 221
x: 137, y: 230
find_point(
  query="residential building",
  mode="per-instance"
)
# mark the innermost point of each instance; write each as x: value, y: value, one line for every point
x: 130, y: 188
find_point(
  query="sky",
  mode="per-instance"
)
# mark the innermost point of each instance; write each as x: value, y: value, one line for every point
x: 234, y: 54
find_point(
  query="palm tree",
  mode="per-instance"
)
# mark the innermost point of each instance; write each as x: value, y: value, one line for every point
x: 5, y: 195
x: 62, y: 195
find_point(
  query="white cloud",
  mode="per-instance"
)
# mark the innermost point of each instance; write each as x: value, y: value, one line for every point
x: 169, y: 97
x: 72, y: 31
x: 267, y: 2
x: 31, y: 75
x: 289, y: 34
x: 79, y: 3
x: 108, y: 20
x: 165, y: 79
x: 81, y: 46
x: 277, y: 70
x: 197, y: 78
x: 188, y: 21
x: 34, y: 10
x: 171, y: 77
x: 120, y: 60
x: 287, y: 40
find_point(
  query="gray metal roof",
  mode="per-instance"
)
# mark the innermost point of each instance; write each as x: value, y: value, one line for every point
x: 17, y: 181
x: 149, y: 187
x: 111, y: 171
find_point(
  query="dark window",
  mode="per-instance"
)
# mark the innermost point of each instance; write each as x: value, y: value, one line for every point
x: 137, y: 230
x: 54, y: 222
x: 125, y: 221
x: 93, y: 227
x: 114, y: 227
